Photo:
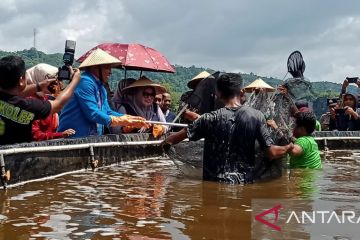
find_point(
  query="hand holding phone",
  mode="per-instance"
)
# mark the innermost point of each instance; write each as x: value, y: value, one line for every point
x: 340, y: 110
x: 352, y: 79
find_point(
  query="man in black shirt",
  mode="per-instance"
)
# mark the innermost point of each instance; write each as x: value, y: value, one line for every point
x: 18, y: 113
x: 230, y: 136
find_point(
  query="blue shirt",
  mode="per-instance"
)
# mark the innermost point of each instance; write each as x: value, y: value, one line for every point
x: 169, y: 116
x: 88, y: 110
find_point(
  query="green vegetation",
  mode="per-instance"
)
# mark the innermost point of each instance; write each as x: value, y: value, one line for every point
x: 33, y: 57
x: 175, y: 83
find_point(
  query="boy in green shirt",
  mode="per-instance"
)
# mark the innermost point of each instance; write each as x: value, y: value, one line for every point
x: 305, y: 153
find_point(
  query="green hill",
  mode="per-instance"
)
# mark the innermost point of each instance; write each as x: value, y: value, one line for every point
x: 33, y: 57
x: 175, y: 83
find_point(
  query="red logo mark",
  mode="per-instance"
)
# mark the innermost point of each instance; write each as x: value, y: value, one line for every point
x: 274, y: 210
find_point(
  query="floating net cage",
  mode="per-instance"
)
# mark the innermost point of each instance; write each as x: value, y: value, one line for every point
x: 36, y: 160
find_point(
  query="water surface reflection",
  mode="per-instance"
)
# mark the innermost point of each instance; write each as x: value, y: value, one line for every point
x: 152, y: 199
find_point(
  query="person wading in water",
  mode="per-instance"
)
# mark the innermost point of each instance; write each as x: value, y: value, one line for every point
x: 220, y: 161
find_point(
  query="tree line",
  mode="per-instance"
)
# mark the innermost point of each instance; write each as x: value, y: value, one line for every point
x: 175, y: 83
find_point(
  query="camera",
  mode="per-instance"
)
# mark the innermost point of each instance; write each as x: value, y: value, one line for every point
x: 340, y: 111
x: 352, y: 79
x: 332, y: 100
x: 68, y: 59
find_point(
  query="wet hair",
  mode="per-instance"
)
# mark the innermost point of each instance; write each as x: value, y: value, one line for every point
x: 12, y: 68
x: 304, y: 109
x: 301, y: 104
x: 229, y: 85
x: 306, y: 120
x: 285, y: 85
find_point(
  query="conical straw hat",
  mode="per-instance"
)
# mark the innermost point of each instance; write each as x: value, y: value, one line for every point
x: 193, y: 82
x: 99, y: 57
x: 259, y: 84
x: 145, y: 82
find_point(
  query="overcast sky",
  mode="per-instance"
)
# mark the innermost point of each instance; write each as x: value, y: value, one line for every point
x: 235, y: 35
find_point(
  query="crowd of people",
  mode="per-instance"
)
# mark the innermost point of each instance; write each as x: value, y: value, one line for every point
x: 343, y: 112
x: 35, y: 106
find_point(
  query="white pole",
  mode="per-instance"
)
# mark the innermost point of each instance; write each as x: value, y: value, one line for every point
x: 337, y: 138
x: 118, y: 144
x: 75, y: 147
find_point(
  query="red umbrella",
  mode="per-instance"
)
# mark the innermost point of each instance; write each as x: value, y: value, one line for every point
x: 135, y: 57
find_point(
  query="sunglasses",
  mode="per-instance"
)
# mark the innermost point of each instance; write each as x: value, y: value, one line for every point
x: 148, y: 94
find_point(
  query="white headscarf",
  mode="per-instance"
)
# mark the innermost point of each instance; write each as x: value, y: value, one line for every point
x: 39, y: 72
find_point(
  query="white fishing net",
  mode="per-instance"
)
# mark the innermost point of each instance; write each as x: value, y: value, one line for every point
x: 276, y: 106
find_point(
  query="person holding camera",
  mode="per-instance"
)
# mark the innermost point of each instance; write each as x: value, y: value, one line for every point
x: 33, y: 86
x: 45, y: 129
x: 346, y: 83
x: 18, y: 113
x: 88, y: 112
x: 345, y: 116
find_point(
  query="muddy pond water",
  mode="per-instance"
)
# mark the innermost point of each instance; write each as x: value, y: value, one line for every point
x: 153, y: 199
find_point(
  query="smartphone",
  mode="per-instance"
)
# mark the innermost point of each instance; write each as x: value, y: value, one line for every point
x: 352, y: 79
x: 340, y: 111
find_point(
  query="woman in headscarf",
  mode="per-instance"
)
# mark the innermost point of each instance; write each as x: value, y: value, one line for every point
x: 138, y: 100
x: 45, y: 129
x: 40, y: 72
